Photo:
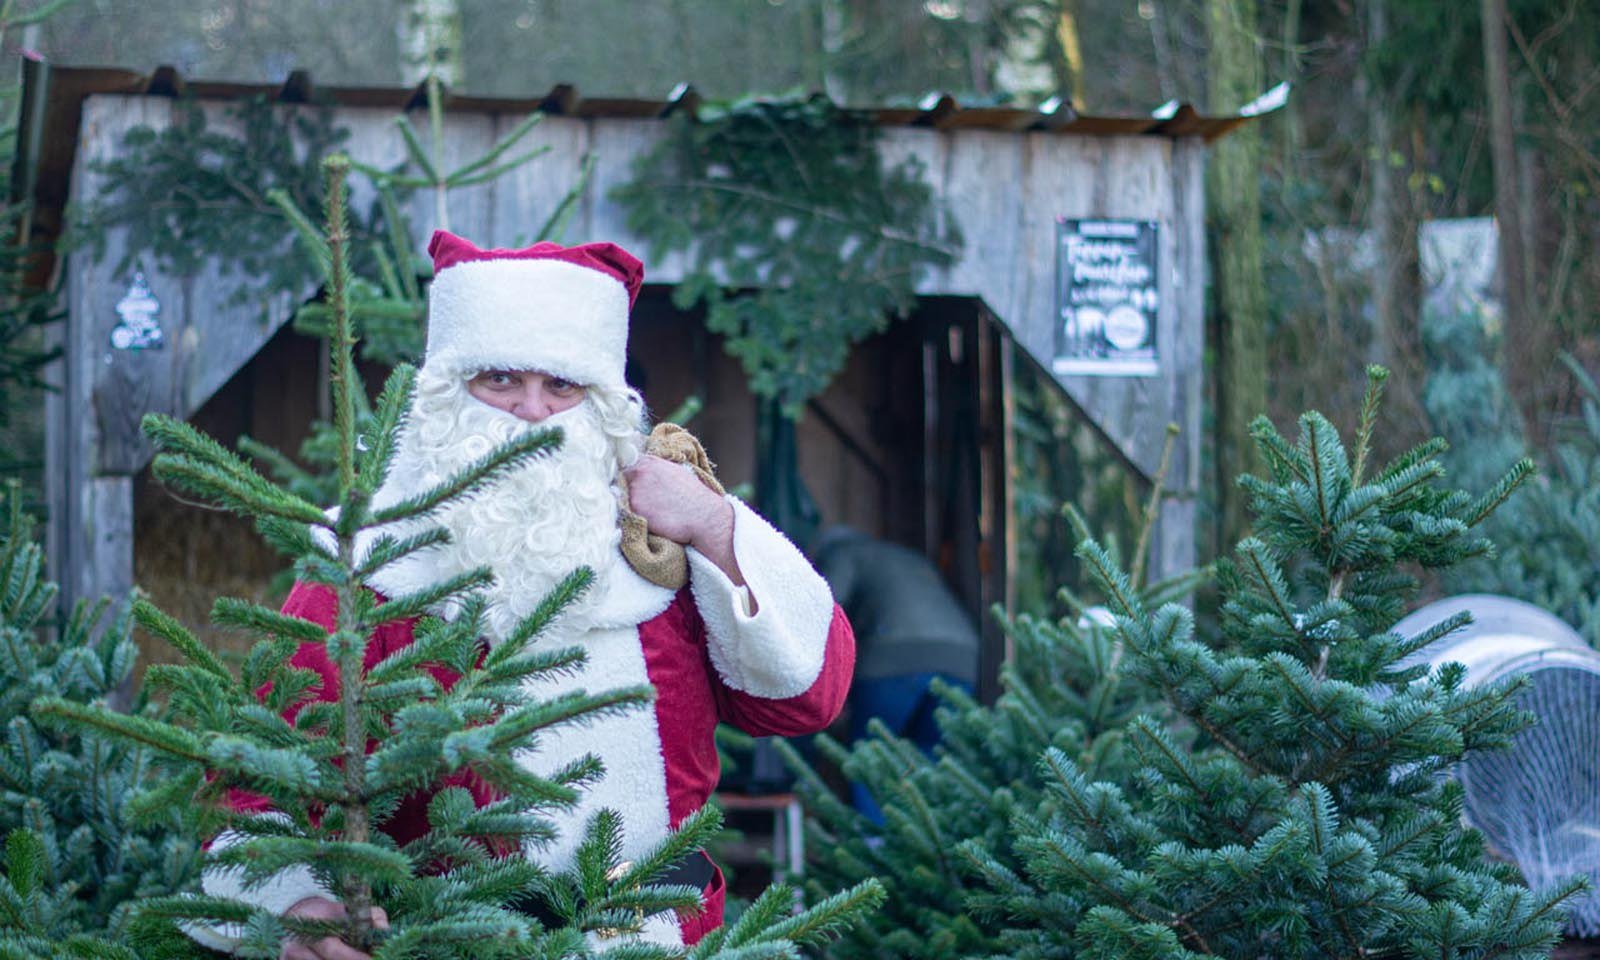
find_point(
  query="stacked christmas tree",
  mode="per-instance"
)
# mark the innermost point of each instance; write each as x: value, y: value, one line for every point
x: 79, y: 851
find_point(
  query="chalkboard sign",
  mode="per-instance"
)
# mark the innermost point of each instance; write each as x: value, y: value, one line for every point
x: 1106, y: 298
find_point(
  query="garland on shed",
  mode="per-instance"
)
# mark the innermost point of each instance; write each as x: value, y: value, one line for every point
x: 801, y: 241
x: 191, y: 192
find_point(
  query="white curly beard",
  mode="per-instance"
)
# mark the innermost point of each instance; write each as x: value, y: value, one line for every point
x: 533, y: 526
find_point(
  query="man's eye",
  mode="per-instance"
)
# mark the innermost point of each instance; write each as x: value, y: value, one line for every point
x: 560, y: 386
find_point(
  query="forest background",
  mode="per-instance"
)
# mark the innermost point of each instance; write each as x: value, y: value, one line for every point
x: 1402, y: 113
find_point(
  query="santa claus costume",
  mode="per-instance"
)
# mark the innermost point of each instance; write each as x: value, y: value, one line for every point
x: 772, y: 656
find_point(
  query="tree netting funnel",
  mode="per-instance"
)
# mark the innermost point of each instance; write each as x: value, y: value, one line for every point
x: 1538, y: 803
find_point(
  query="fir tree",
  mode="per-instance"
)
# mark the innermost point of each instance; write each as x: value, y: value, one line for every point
x: 81, y: 846
x: 334, y: 771
x: 1311, y: 816
x: 1066, y: 687
x: 1549, y: 534
x: 35, y: 913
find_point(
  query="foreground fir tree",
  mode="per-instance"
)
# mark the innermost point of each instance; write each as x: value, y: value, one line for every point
x: 323, y: 777
x: 1311, y: 815
x: 1066, y: 687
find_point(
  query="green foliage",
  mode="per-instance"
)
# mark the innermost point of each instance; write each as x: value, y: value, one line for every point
x: 1277, y: 790
x: 1549, y: 534
x: 193, y: 193
x: 1066, y: 687
x: 79, y: 850
x: 1309, y: 817
x: 334, y: 772
x: 34, y: 908
x: 801, y: 242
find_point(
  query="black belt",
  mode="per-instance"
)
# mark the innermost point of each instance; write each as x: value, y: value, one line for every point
x: 695, y: 870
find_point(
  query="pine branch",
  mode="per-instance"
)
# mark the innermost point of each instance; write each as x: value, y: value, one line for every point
x: 513, y: 729
x: 1481, y: 508
x: 251, y: 617
x: 410, y: 605
x: 824, y: 920
x: 386, y: 549
x: 198, y: 455
x: 556, y: 224
x: 391, y: 407
x: 573, y: 586
x: 476, y: 476
x: 1376, y: 376
x: 211, y: 483
x: 151, y: 618
x: 166, y: 739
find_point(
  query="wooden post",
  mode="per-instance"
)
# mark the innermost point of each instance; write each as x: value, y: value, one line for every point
x: 1523, y: 358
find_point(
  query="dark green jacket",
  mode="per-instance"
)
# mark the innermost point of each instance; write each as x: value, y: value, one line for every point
x: 905, y: 619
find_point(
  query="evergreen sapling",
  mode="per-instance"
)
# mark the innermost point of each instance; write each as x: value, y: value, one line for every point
x: 332, y: 772
x: 1066, y: 687
x: 80, y: 846
x: 1296, y: 803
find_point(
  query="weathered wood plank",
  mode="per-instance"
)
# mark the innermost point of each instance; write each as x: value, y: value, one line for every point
x: 526, y: 197
x: 109, y: 532
x: 83, y: 512
x: 1130, y: 182
x: 1177, y: 531
x: 978, y: 184
x: 617, y: 143
x: 930, y: 150
x: 99, y: 375
x: 470, y: 209
x: 209, y: 328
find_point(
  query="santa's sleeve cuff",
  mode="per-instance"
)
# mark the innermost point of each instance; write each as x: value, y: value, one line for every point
x: 776, y: 652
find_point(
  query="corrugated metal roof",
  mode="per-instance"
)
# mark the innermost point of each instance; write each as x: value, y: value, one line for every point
x: 53, y: 104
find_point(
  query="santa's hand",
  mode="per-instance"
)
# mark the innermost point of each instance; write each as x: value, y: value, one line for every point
x: 676, y: 505
x: 328, y: 948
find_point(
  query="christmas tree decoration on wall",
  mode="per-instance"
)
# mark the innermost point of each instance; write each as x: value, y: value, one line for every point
x: 139, y: 318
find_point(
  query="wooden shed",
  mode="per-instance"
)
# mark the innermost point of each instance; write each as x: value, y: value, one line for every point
x: 910, y: 443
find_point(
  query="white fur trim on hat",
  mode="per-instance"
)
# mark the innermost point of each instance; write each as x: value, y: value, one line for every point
x: 548, y: 315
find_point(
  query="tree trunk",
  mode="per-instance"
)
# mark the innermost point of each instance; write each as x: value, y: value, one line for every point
x: 1161, y: 43
x: 1024, y: 67
x: 430, y: 41
x: 1397, y: 283
x: 833, y: 31
x: 1520, y: 365
x: 1234, y: 189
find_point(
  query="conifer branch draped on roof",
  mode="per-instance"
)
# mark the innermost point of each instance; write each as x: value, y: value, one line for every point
x: 801, y: 241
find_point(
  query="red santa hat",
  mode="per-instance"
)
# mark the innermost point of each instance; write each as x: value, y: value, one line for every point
x: 559, y: 310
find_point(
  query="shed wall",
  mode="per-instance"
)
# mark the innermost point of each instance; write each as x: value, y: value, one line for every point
x: 1004, y: 190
